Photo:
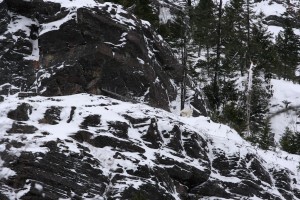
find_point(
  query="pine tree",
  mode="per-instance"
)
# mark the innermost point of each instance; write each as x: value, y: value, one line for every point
x: 260, y: 99
x: 235, y: 36
x: 204, y: 23
x: 142, y: 9
x: 287, y: 43
x: 261, y: 47
x: 288, y: 141
x: 265, y: 137
x: 204, y: 30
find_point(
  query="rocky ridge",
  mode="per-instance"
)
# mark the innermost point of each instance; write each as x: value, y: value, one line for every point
x: 93, y: 147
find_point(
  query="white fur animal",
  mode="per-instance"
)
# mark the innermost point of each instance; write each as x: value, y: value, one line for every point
x: 186, y: 112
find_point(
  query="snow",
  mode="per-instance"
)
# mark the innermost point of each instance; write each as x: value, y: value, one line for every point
x: 274, y: 30
x: 165, y: 15
x: 17, y: 23
x: 221, y: 137
x: 35, y: 55
x: 5, y: 172
x: 52, y: 26
x: 38, y: 186
x: 74, y: 3
x: 22, y: 23
x: 142, y: 62
x: 284, y: 91
x: 72, y: 7
x: 269, y: 9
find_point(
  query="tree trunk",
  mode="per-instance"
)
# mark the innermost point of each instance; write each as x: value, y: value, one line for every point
x: 189, y: 2
x: 248, y: 36
x: 217, y: 64
x: 184, y: 63
x: 248, y: 100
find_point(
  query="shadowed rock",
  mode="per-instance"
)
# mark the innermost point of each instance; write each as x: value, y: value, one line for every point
x: 21, y: 113
x: 51, y: 116
x: 91, y: 120
x: 19, y: 127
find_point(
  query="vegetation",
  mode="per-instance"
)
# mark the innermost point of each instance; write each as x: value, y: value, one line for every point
x: 290, y: 141
x: 228, y: 38
x: 242, y: 42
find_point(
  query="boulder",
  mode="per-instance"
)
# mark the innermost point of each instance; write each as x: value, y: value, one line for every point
x: 19, y: 127
x: 91, y: 120
x: 21, y: 113
x: 51, y: 116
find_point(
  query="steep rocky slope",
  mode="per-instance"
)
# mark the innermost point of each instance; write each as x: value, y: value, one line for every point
x: 67, y: 47
x: 88, y: 146
x: 94, y: 147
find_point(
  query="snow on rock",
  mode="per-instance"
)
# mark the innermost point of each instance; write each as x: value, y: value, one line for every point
x: 103, y: 45
x: 97, y: 146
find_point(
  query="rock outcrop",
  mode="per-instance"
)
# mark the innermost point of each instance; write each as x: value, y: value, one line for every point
x: 109, y: 149
x: 98, y: 48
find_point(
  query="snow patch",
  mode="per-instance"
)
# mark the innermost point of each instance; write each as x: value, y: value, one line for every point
x: 165, y: 15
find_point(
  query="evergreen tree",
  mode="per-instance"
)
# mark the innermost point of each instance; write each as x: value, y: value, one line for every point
x: 235, y: 36
x: 204, y: 24
x: 142, y: 9
x: 261, y: 47
x: 287, y: 43
x: 260, y: 99
x: 264, y: 140
x: 288, y: 141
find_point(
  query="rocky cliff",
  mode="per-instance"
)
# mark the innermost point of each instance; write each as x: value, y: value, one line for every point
x: 93, y: 147
x: 69, y: 47
x: 64, y: 145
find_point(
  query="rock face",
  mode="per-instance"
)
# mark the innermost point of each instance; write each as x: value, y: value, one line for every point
x: 94, y: 147
x: 96, y: 48
x: 110, y: 150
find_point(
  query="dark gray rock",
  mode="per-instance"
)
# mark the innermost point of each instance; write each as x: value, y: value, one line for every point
x: 82, y: 136
x: 152, y: 136
x: 27, y: 94
x: 51, y: 116
x: 91, y: 64
x: 104, y: 141
x: 211, y: 188
x: 42, y: 11
x: 73, y: 108
x: 56, y: 170
x: 137, y: 122
x: 183, y: 173
x: 119, y: 129
x: 87, y: 48
x: 175, y: 139
x: 105, y: 160
x: 260, y: 172
x: 19, y: 127
x: 282, y: 179
x: 194, y: 145
x: 21, y: 113
x: 91, y: 120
